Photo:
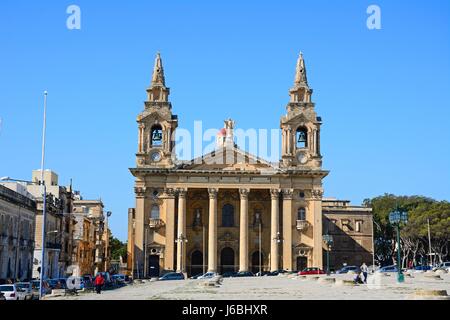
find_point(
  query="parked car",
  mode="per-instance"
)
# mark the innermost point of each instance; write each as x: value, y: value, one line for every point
x: 12, y: 292
x: 208, y: 275
x: 277, y: 272
x: 444, y: 266
x: 347, y: 269
x: 262, y: 273
x: 88, y: 281
x: 241, y: 274
x: 392, y: 268
x: 311, y: 271
x: 172, y: 276
x: 59, y: 283
x: 196, y: 276
x: 119, y: 279
x: 27, y: 290
x: 422, y: 268
x: 35, y: 285
x: 229, y: 274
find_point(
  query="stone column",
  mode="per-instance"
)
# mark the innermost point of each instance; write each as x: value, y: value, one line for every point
x: 289, y: 141
x: 140, y: 220
x: 212, y: 231
x: 275, y: 194
x: 169, y: 208
x: 141, y: 138
x: 181, y: 234
x: 243, y: 235
x: 287, y: 228
x: 316, y: 205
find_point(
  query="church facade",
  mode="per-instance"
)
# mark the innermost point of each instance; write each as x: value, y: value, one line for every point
x: 230, y: 210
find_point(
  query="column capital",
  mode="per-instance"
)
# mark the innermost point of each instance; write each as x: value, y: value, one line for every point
x: 288, y: 194
x: 317, y: 194
x: 213, y: 193
x: 275, y: 194
x: 140, y: 191
x: 244, y: 193
x: 182, y: 192
x: 169, y: 192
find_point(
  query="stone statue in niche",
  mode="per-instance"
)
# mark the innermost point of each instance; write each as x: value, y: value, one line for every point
x: 197, y: 217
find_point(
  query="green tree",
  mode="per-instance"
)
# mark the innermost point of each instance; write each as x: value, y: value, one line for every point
x: 118, y: 249
x: 414, y: 235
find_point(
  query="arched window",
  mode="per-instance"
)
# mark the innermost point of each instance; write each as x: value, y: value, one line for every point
x: 228, y: 216
x: 302, y: 138
x: 301, y: 214
x: 154, y: 214
x: 156, y: 137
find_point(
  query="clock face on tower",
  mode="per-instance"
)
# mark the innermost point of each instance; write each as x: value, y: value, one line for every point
x: 155, y: 156
x: 302, y: 158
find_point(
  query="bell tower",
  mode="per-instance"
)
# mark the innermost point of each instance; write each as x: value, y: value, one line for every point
x: 300, y: 126
x: 157, y: 124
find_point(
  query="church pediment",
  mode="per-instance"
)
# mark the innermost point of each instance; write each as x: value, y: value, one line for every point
x: 229, y: 159
x: 300, y: 117
x: 157, y: 115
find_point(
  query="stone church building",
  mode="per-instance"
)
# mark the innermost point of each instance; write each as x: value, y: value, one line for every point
x: 232, y: 211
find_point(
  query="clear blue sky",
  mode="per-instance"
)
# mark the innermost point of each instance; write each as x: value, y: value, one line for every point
x: 383, y: 94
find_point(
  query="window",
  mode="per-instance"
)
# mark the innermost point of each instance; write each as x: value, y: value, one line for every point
x: 154, y: 214
x: 228, y: 216
x: 301, y: 214
x: 302, y: 138
x: 358, y: 226
x: 156, y: 136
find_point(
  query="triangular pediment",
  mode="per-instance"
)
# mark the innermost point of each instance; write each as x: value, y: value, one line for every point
x: 156, y: 115
x: 300, y: 117
x: 231, y: 159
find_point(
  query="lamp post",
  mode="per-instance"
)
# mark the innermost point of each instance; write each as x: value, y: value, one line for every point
x: 108, y: 214
x: 279, y: 239
x: 397, y: 217
x: 181, y: 240
x: 328, y: 239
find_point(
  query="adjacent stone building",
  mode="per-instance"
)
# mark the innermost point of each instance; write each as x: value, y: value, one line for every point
x: 227, y: 210
x: 59, y: 226
x: 90, y: 252
x: 352, y: 230
x: 17, y: 220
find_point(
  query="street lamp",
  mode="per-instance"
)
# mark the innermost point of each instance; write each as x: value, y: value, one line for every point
x: 44, y: 210
x: 108, y: 214
x: 278, y: 239
x: 328, y: 239
x: 181, y: 240
x: 397, y: 217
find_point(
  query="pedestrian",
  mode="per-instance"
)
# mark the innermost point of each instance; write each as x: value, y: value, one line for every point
x: 99, y: 282
x: 364, y: 270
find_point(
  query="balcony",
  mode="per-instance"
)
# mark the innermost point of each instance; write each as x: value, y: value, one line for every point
x: 53, y: 245
x: 302, y: 225
x: 155, y: 223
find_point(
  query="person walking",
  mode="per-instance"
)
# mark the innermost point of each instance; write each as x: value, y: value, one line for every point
x: 99, y: 282
x: 364, y: 270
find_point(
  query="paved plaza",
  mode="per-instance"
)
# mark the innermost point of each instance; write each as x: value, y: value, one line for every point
x: 283, y: 287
